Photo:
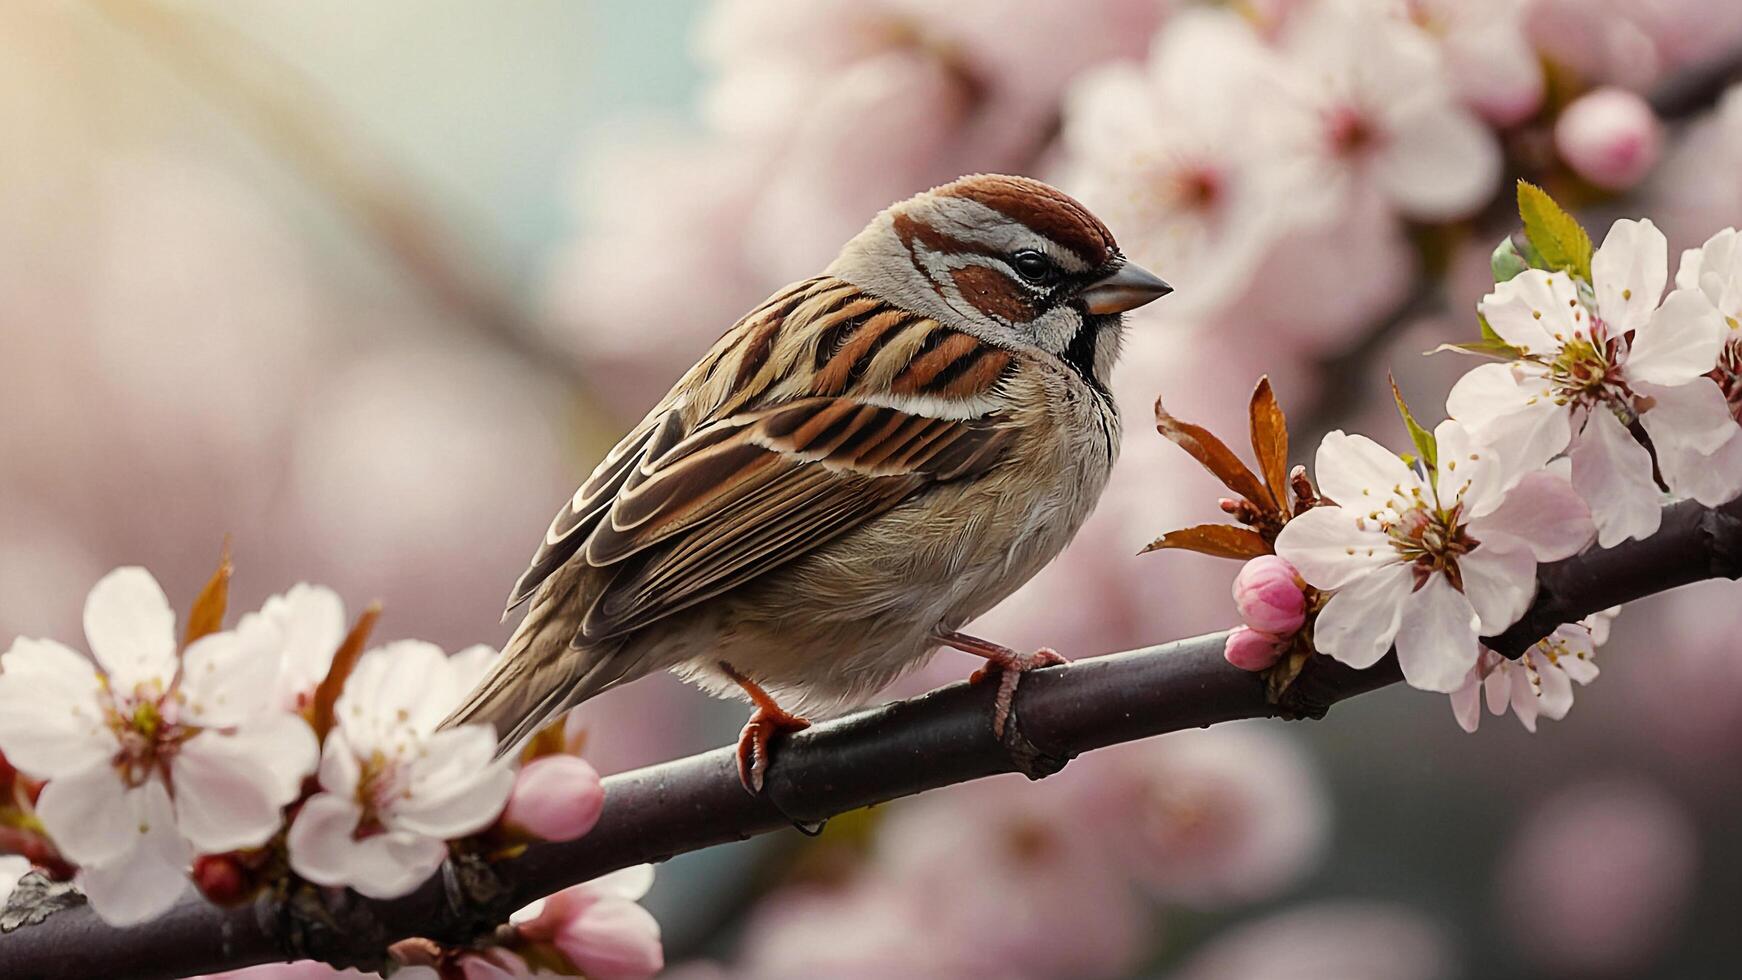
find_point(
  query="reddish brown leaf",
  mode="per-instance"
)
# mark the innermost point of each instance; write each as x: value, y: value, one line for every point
x: 320, y: 709
x: 1214, y: 455
x: 207, y: 615
x: 1270, y: 440
x: 1221, y: 540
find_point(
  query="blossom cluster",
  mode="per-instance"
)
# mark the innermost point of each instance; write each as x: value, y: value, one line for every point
x: 222, y: 757
x: 1602, y: 400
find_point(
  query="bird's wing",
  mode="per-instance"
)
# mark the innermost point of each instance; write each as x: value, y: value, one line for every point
x: 820, y: 412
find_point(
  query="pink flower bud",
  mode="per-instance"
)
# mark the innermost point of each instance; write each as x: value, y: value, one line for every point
x: 555, y: 798
x: 1268, y: 594
x: 1249, y: 649
x: 612, y: 939
x: 1610, y: 137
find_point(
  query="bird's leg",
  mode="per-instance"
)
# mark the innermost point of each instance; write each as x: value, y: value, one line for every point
x: 1010, y: 666
x: 768, y: 721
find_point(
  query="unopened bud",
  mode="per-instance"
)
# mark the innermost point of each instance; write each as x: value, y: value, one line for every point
x: 1610, y: 137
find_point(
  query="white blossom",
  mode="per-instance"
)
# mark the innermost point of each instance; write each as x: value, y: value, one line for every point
x: 394, y: 790
x: 1430, y: 558
x: 311, y: 619
x: 150, y: 756
x: 1540, y: 683
x: 1594, y: 358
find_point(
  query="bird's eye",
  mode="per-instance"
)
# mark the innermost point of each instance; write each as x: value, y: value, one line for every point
x: 1032, y: 266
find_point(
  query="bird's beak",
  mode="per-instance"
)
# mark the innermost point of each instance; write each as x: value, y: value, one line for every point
x: 1132, y: 286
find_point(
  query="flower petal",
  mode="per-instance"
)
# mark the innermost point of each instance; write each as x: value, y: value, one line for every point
x: 1612, y: 472
x: 1541, y: 512
x: 321, y: 840
x: 1439, y: 163
x: 1328, y: 550
x: 1358, y: 623
x: 1528, y: 310
x: 284, y: 746
x: 1629, y: 271
x: 227, y: 677
x: 1680, y: 342
x: 613, y: 939
x: 1523, y: 696
x: 131, y: 628
x: 88, y: 815
x: 393, y: 864
x: 226, y: 799
x: 51, y: 723
x: 1353, y: 470
x: 1436, y: 640
x: 148, y: 881
x: 1467, y: 702
x: 1712, y: 480
x: 455, y: 787
x: 311, y: 619
x: 340, y: 769
x: 1511, y: 411
x: 1555, y: 698
x: 1692, y: 416
x: 1500, y: 583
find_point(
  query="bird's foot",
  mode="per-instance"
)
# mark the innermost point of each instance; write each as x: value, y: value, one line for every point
x: 1008, y: 664
x: 765, y: 725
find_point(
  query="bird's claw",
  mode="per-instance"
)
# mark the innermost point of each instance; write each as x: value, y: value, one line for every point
x: 1010, y: 666
x: 763, y: 728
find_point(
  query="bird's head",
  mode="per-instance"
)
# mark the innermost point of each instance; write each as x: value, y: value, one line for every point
x: 1009, y: 259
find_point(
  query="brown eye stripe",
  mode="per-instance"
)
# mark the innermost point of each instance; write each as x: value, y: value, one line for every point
x: 859, y: 348
x: 942, y: 349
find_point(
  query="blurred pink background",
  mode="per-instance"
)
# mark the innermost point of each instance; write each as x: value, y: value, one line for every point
x: 369, y: 288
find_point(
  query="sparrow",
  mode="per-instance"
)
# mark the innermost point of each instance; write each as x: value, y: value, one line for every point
x: 860, y: 466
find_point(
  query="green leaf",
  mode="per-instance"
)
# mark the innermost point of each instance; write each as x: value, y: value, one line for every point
x: 1423, y: 439
x: 1556, y: 235
x: 1506, y: 262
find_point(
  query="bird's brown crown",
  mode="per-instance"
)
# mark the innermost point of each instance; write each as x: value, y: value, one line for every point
x: 1042, y: 207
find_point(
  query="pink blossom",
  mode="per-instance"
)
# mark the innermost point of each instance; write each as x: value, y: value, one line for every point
x: 1538, y: 683
x: 1003, y: 873
x: 1268, y: 593
x: 1225, y: 816
x: 1492, y: 63
x: 598, y: 927
x: 1610, y: 137
x: 1344, y: 940
x: 1250, y: 649
x: 1616, y: 862
x: 556, y: 798
x: 868, y: 929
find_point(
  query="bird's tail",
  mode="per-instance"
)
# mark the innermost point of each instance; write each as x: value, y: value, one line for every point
x: 539, y: 676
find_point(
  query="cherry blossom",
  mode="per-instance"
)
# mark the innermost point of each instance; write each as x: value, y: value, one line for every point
x: 598, y: 927
x: 1345, y: 940
x: 1268, y: 594
x: 1611, y: 137
x: 311, y: 621
x: 394, y: 790
x: 1165, y: 153
x: 150, y: 756
x: 1250, y: 649
x: 1491, y: 62
x: 555, y: 798
x: 1379, y: 115
x: 1593, y: 359
x: 1538, y: 683
x: 1431, y: 557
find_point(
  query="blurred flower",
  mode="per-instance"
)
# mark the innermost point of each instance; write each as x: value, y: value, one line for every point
x: 157, y: 755
x: 1610, y: 137
x: 1165, y: 153
x: 1268, y: 594
x: 1379, y: 116
x: 1577, y: 378
x: 555, y: 798
x: 1432, y: 562
x: 393, y: 789
x: 311, y: 621
x: 1632, y: 42
x: 1540, y: 682
x: 598, y: 927
x: 1250, y: 649
x: 1490, y: 60
x: 869, y: 929
x: 1009, y: 875
x: 1615, y: 861
x: 1212, y: 818
x: 1695, y: 187
x: 1341, y: 940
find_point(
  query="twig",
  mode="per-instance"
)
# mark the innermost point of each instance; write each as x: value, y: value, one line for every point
x: 871, y: 757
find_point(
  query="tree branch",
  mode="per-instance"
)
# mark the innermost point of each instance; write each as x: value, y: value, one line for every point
x: 873, y: 756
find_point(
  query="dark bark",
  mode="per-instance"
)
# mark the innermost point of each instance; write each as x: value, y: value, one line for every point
x: 882, y: 754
